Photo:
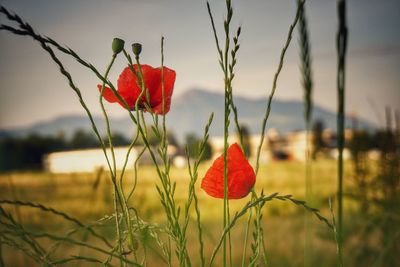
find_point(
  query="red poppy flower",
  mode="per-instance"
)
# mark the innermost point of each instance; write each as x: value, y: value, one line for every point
x: 129, y: 90
x: 241, y: 176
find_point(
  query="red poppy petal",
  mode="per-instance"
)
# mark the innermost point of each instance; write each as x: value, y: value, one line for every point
x: 156, y: 99
x: 127, y: 84
x: 152, y: 80
x: 241, y: 176
x: 213, y: 181
x: 129, y: 89
x: 108, y: 94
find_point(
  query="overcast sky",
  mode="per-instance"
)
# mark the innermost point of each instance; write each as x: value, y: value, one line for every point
x: 32, y: 89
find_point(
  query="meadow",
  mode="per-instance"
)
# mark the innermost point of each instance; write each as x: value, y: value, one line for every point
x: 88, y: 197
x: 159, y: 215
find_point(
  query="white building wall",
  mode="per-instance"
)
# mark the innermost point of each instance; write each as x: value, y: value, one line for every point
x: 87, y: 160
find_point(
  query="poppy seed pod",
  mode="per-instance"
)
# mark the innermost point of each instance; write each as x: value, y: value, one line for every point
x: 117, y: 45
x: 136, y: 49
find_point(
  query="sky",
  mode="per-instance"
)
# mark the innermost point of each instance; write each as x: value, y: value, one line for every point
x: 32, y: 89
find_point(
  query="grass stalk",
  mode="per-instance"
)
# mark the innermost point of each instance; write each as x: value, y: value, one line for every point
x: 306, y: 72
x: 193, y: 172
x: 227, y: 69
x: 113, y: 171
x: 246, y: 237
x: 341, y: 42
x: 335, y: 233
x: 274, y: 85
x: 268, y: 109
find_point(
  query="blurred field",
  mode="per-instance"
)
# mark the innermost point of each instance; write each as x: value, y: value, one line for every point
x: 79, y: 196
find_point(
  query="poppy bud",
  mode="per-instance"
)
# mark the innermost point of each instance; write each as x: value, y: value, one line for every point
x: 136, y: 49
x: 117, y: 45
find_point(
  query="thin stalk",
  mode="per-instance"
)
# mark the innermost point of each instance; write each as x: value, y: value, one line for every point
x: 169, y: 204
x: 341, y: 51
x: 131, y: 145
x: 308, y: 196
x: 118, y: 191
x: 230, y: 69
x: 163, y: 93
x: 306, y: 72
x: 224, y: 63
x: 117, y: 225
x: 335, y: 233
x: 192, y: 190
x: 269, y: 102
x: 257, y: 235
x: 135, y: 168
x: 246, y: 237
x: 274, y: 85
x: 113, y: 171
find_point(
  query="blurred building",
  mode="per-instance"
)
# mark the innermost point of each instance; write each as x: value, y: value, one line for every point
x: 86, y: 160
x: 289, y: 146
x: 90, y: 160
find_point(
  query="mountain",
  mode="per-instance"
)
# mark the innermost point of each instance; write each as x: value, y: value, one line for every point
x: 189, y: 113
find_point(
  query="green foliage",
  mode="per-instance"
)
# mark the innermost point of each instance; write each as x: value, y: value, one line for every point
x: 118, y: 139
x: 193, y: 144
x: 378, y: 196
x: 27, y: 152
x: 82, y: 139
x: 246, y: 142
x: 317, y: 139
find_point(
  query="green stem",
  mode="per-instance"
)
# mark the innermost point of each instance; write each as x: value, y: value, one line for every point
x: 113, y: 171
x: 308, y: 194
x: 117, y: 225
x: 306, y: 71
x: 274, y: 85
x: 341, y: 49
x: 246, y: 237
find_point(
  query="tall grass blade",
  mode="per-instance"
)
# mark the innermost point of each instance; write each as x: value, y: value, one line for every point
x: 341, y: 42
x: 306, y: 72
x: 274, y: 85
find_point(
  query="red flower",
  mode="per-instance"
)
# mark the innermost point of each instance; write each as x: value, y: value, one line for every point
x: 241, y: 176
x: 129, y: 90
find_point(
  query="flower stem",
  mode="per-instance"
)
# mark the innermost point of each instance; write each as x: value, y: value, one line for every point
x: 341, y: 50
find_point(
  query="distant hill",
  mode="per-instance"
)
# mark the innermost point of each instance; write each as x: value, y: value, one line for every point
x: 189, y: 113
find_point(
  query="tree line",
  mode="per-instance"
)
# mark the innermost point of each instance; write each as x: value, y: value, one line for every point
x: 27, y: 152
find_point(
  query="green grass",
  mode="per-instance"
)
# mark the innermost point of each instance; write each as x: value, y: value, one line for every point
x: 283, y: 222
